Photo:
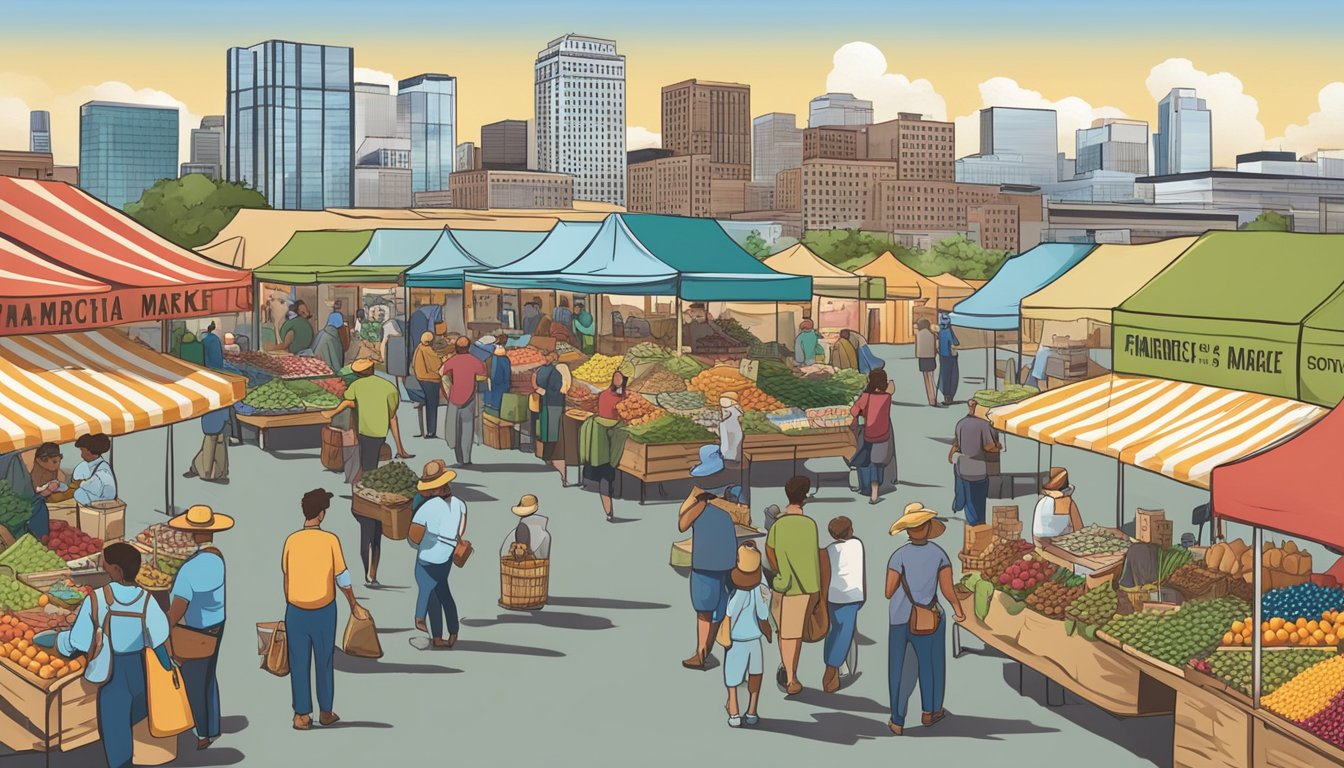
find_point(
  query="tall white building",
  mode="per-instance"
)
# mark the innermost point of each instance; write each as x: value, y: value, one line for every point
x: 1017, y: 146
x: 375, y: 112
x: 839, y: 109
x: 776, y: 145
x: 207, y: 148
x: 1183, y: 142
x: 580, y: 115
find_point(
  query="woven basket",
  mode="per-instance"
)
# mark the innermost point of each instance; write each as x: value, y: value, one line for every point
x: 974, y: 562
x: 524, y: 585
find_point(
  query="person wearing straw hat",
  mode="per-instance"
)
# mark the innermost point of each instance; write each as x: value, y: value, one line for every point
x: 436, y: 528
x: 425, y: 367
x: 198, y: 606
x: 748, y: 618
x: 916, y: 572
x: 1056, y: 513
x: 531, y: 530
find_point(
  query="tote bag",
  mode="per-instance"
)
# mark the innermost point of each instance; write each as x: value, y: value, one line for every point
x: 165, y: 691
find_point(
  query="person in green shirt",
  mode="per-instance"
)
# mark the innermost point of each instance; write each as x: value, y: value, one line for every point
x: 296, y: 335
x: 802, y: 575
x: 585, y: 330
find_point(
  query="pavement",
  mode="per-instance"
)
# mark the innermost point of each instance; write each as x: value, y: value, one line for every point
x: 596, y: 676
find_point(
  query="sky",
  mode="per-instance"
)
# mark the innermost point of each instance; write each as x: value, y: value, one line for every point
x: 1270, y: 71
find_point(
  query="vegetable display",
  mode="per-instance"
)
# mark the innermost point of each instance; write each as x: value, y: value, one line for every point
x: 689, y: 400
x: 635, y: 410
x: 28, y: 555
x: 1023, y: 576
x: 670, y: 429
x: 658, y: 380
x: 1011, y: 393
x: 393, y: 478
x: 647, y: 352
x: 737, y: 331
x: 769, y: 351
x: 1095, y: 607
x: 753, y: 399
x: 1179, y: 636
x: 1055, y: 595
x: 598, y: 369
x: 283, y: 366
x: 313, y: 395
x: 780, y: 383
x: 70, y: 543
x: 1193, y: 580
x: 717, y: 381
x: 524, y: 356
x: 15, y: 511
x: 684, y: 366
x: 1091, y: 541
x: 162, y: 539
x: 273, y: 397
x: 1309, y: 693
x: 152, y: 578
x: 755, y: 423
x: 15, y: 595
x: 1234, y: 668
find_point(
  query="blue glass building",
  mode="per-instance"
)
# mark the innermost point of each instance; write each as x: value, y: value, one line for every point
x: 124, y: 149
x: 290, y: 123
x: 1183, y: 142
x: 427, y: 107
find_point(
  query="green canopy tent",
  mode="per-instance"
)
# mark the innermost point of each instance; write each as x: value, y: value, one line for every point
x: 1321, y: 372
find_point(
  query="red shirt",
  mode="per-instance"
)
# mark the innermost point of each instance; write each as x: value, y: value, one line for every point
x: 876, y: 411
x: 607, y: 402
x: 464, y: 368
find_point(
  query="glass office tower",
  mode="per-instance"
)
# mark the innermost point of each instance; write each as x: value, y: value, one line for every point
x: 1183, y: 142
x: 427, y: 107
x: 124, y: 149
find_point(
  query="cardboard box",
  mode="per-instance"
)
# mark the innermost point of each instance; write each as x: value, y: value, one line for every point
x: 978, y: 538
x: 104, y: 520
x: 1143, y: 522
x: 1159, y: 533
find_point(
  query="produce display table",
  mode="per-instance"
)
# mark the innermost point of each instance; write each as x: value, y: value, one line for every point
x: 42, y: 715
x: 1278, y: 744
x: 658, y: 463
x: 836, y: 443
x: 263, y: 424
x: 1094, y: 671
x: 1088, y: 563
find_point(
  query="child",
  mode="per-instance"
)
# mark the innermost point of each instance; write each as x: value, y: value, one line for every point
x: 747, y: 619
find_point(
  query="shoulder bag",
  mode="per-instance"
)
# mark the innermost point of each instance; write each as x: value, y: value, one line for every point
x: 165, y: 691
x: 188, y: 643
x: 924, y: 618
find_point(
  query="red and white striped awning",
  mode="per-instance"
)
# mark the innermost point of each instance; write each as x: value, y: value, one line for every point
x: 70, y: 262
x: 58, y: 387
x: 1173, y: 428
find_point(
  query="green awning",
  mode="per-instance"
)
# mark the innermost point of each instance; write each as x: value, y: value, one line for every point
x: 326, y: 257
x: 1229, y: 313
x: 1321, y: 374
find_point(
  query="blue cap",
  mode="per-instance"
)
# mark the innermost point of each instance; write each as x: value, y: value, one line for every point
x: 711, y: 462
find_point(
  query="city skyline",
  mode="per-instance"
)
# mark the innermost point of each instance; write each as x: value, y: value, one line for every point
x: 786, y: 65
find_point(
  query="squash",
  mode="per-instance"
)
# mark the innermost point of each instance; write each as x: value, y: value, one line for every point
x: 1289, y: 547
x: 1237, y: 546
x: 1304, y: 564
x: 1291, y: 563
x: 1230, y: 561
x: 1213, y: 557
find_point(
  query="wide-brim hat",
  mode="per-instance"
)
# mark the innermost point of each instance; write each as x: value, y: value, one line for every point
x: 1058, y: 480
x: 915, y: 516
x: 711, y: 462
x: 201, y: 519
x: 746, y: 573
x: 426, y: 337
x: 527, y: 505
x: 435, y: 475
x: 362, y: 365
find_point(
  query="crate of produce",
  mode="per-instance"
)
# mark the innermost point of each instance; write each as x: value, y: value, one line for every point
x: 161, y: 538
x: 1094, y: 547
x: 1196, y: 582
x: 499, y: 434
x: 105, y: 520
x: 394, y: 515
x: 598, y: 369
x: 71, y: 544
x: 769, y: 351
x: 30, y: 560
x: 671, y: 429
x: 48, y: 703
x: 520, y: 378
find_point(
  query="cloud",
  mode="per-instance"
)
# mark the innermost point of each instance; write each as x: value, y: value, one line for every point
x: 1072, y: 113
x: 366, y: 75
x: 1236, y: 114
x: 13, y: 123
x: 639, y: 137
x: 861, y: 69
x: 1324, y: 128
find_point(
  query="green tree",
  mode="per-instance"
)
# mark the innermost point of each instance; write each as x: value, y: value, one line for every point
x: 851, y: 248
x: 755, y: 245
x: 957, y: 255
x: 1268, y: 221
x: 192, y: 210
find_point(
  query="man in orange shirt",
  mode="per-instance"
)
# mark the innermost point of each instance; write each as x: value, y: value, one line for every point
x: 314, y: 568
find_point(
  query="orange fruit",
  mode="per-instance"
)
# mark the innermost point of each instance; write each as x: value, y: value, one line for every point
x: 30, y: 651
x: 15, y: 655
x: 1276, y: 623
x: 33, y: 667
x: 57, y: 663
x: 1281, y: 635
x: 42, y: 601
x: 42, y: 657
x: 46, y: 672
x: 1330, y: 639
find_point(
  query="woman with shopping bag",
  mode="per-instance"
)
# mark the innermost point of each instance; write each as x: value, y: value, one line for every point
x: 123, y: 630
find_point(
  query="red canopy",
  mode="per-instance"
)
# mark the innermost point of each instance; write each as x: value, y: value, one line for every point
x: 1296, y: 488
x: 80, y: 264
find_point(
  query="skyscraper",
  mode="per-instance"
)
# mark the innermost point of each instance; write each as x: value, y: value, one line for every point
x: 39, y: 131
x: 125, y: 148
x: 1183, y: 142
x: 1113, y: 145
x: 776, y: 144
x: 707, y: 118
x: 207, y: 148
x: 504, y: 146
x: 839, y: 109
x: 427, y: 108
x: 580, y: 113
x: 291, y: 123
x: 375, y: 112
x: 1017, y: 146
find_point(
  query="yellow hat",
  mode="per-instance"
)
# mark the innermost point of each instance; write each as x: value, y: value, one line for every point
x: 362, y: 365
x: 526, y: 506
x: 435, y: 475
x: 426, y: 337
x: 201, y: 519
x: 914, y: 518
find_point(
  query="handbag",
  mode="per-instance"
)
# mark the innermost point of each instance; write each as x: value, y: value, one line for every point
x: 275, y: 659
x: 534, y: 403
x: 169, y: 708
x: 818, y: 621
x: 189, y: 643
x: 462, y: 552
x: 924, y: 619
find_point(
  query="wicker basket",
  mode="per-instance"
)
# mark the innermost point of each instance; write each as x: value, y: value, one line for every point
x: 974, y: 562
x: 524, y: 585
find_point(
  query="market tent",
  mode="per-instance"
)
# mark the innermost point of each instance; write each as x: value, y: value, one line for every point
x: 1229, y: 312
x: 561, y: 246
x: 996, y: 305
x: 1321, y: 370
x: 1102, y: 281
x: 1173, y: 428
x: 60, y: 386
x: 458, y: 250
x: 904, y: 282
x: 402, y: 248
x: 27, y: 274
x: 324, y: 257
x: 1293, y: 487
x: 827, y: 279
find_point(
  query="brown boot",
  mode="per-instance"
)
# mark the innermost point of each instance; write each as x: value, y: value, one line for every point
x: 328, y: 718
x: 303, y: 722
x: 930, y: 718
x: 830, y: 682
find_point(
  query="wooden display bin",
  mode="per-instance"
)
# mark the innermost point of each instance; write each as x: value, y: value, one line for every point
x: 104, y: 520
x: 396, y: 518
x: 499, y: 434
x: 42, y: 715
x: 659, y: 463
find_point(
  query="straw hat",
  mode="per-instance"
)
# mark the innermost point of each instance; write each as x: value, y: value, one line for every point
x: 747, y: 573
x: 915, y: 516
x: 362, y: 366
x: 527, y: 505
x: 435, y: 475
x: 201, y: 519
x: 1059, y: 480
x: 426, y: 337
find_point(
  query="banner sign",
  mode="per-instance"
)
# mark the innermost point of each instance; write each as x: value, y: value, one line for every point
x: 1322, y: 374
x: 23, y: 316
x: 1250, y: 363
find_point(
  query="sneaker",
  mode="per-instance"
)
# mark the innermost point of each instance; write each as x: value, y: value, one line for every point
x: 751, y: 719
x: 734, y: 721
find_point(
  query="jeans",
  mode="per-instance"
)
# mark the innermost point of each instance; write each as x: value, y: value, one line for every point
x: 312, y: 636
x: 931, y: 658
x: 949, y: 377
x: 199, y: 676
x: 971, y: 496
x: 841, y: 633
x: 122, y: 704
x: 431, y: 390
x: 434, y: 598
x: 459, y: 428
x: 869, y: 476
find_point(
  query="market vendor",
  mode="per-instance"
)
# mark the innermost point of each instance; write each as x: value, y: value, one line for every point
x: 13, y: 470
x: 561, y: 315
x: 499, y: 373
x: 212, y: 349
x: 585, y: 329
x: 327, y: 346
x: 47, y: 476
x: 1056, y: 512
x: 296, y: 334
x: 807, y: 347
x: 601, y: 444
x: 94, y: 473
x: 531, y: 315
x: 697, y: 327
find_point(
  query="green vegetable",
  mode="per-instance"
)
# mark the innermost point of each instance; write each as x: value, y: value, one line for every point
x: 984, y: 592
x: 274, y: 397
x: 684, y: 366
x: 1014, y: 607
x: 1070, y: 626
x: 1170, y: 559
x: 670, y: 429
x: 1096, y: 606
x: 28, y: 555
x: 737, y: 331
x: 15, y: 595
x: 393, y: 477
x: 779, y: 382
x: 1181, y: 635
x: 15, y: 511
x: 1277, y: 668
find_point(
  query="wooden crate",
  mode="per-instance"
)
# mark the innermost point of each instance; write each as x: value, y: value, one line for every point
x: 40, y: 580
x: 104, y: 520
x: 657, y: 463
x: 499, y: 434
x: 41, y: 715
x: 396, y: 518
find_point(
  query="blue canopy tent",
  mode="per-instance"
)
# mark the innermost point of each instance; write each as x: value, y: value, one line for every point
x: 457, y: 250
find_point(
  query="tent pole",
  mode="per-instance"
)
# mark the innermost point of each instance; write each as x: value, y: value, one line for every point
x: 1119, y: 494
x: 676, y: 304
x: 1257, y: 616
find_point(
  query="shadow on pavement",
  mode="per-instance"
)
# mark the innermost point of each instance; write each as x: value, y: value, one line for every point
x: 488, y: 469
x: 827, y: 728
x: 839, y: 701
x: 355, y: 724
x: 972, y: 727
x: 357, y: 666
x: 189, y: 755
x: 908, y: 484
x: 480, y: 646
x: 393, y: 630
x: 602, y: 602
x: 553, y: 619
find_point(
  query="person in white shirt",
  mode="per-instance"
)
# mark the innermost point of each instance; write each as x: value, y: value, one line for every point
x: 1056, y: 513
x: 436, y: 528
x: 94, y: 474
x: 844, y: 598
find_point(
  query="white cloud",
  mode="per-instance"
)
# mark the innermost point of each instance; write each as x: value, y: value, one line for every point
x: 366, y: 75
x: 1072, y: 113
x: 13, y: 123
x: 639, y: 137
x: 1324, y: 128
x: 1236, y: 114
x: 861, y: 69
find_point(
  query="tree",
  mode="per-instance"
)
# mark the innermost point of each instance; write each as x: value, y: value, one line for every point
x: 755, y: 245
x: 957, y: 255
x: 851, y: 248
x: 1268, y: 221
x: 192, y: 210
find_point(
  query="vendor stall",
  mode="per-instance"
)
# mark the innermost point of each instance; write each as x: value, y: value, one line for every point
x: 436, y: 281
x: 911, y: 296
x: 840, y: 300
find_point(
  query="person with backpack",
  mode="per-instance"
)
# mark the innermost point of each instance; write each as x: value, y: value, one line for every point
x: 114, y: 627
x: 196, y: 617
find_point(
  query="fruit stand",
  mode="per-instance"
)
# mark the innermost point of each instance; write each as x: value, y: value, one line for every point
x: 280, y: 402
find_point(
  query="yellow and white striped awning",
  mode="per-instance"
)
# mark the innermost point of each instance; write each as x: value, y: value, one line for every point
x: 1173, y: 428
x: 54, y: 388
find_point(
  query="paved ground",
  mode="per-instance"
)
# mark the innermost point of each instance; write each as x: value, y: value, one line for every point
x: 596, y: 675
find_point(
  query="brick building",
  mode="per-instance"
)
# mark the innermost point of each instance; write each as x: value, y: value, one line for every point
x: 36, y: 165
x: 921, y: 149
x: 789, y: 190
x: 701, y: 117
x: 485, y: 189
x: 687, y: 185
x: 839, y: 194
x: 988, y: 215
